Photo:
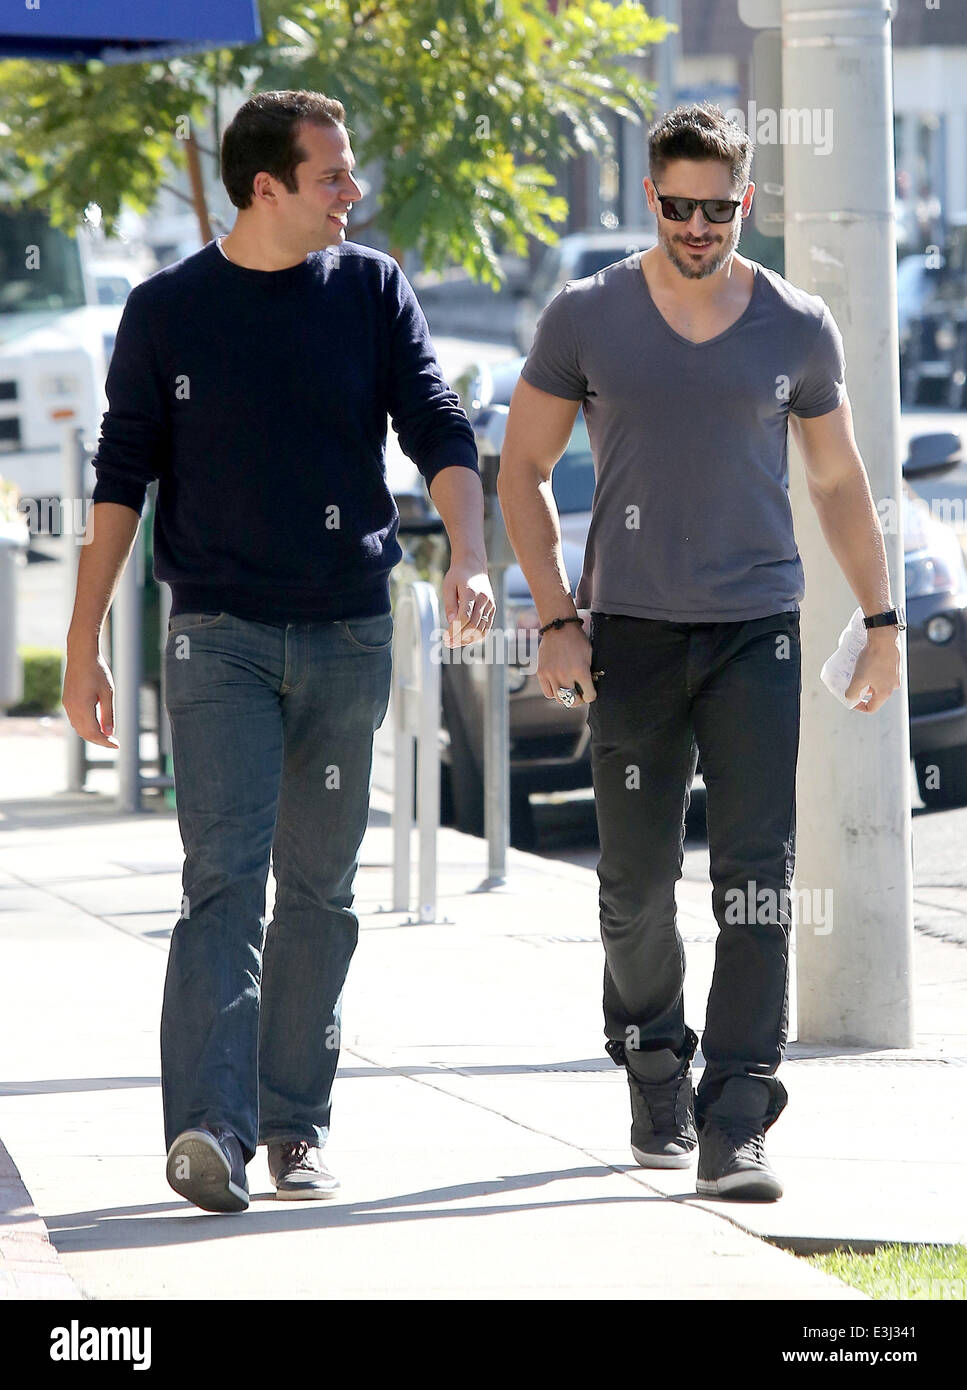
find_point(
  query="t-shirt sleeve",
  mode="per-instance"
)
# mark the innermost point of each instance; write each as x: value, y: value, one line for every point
x: 822, y: 385
x: 554, y: 363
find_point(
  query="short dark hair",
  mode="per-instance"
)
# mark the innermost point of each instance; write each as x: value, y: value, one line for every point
x: 700, y: 131
x: 262, y: 136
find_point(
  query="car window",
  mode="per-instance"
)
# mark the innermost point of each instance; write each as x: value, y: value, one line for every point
x: 546, y: 272
x: 956, y: 250
x: 572, y: 480
x: 503, y: 378
x: 910, y: 274
x: 596, y: 258
x: 112, y: 289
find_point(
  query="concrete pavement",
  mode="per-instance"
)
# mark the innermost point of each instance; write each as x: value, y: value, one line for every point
x: 480, y: 1132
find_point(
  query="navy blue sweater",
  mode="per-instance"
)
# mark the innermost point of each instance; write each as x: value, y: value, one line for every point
x: 259, y: 400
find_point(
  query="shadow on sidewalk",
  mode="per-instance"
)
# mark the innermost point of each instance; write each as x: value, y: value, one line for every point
x: 71, y: 810
x: 68, y: 1084
x: 64, y: 1085
x: 147, y: 1225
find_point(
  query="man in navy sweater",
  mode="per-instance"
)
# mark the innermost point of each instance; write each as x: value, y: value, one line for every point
x: 253, y: 379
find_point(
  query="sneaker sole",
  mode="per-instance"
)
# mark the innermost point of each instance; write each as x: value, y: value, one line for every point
x: 647, y: 1160
x: 745, y: 1187
x: 210, y: 1185
x: 306, y: 1194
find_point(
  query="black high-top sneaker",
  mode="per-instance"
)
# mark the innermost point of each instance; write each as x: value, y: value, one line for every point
x: 662, y: 1103
x: 207, y: 1166
x: 732, y: 1160
x: 297, y: 1169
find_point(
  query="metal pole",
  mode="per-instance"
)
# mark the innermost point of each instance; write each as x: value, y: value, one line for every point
x: 416, y: 714
x: 74, y: 455
x: 855, y: 973
x: 497, y: 711
x: 403, y: 654
x: 428, y: 751
x: 497, y: 740
x: 126, y: 631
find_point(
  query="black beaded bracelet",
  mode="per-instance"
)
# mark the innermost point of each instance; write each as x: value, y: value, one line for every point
x: 558, y: 623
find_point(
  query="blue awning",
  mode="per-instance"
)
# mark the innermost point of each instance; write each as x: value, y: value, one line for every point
x: 119, y: 31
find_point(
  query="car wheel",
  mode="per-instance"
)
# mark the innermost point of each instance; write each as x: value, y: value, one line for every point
x: 942, y: 777
x: 909, y: 377
x: 462, y: 783
x: 956, y: 393
x: 523, y: 826
x: 932, y: 391
x: 463, y: 797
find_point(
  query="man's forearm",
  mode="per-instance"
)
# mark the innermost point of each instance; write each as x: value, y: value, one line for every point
x: 101, y: 563
x: 458, y: 497
x: 533, y: 525
x: 853, y: 533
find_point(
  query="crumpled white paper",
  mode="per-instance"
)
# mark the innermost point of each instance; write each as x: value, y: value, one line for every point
x: 838, y: 671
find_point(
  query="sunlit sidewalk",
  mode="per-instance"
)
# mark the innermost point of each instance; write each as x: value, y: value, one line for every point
x: 480, y: 1133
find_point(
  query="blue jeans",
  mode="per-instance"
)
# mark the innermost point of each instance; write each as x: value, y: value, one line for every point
x: 272, y: 740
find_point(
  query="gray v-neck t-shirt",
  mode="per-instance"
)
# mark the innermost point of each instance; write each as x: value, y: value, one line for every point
x: 691, y: 520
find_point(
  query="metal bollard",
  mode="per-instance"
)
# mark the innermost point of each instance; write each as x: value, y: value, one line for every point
x: 124, y: 626
x: 416, y: 716
x: 126, y: 644
x: 76, y: 455
x: 500, y: 555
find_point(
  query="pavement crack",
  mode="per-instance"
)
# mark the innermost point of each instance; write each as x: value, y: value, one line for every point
x: 634, y: 1175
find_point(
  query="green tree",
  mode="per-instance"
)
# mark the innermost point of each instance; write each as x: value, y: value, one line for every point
x: 465, y: 111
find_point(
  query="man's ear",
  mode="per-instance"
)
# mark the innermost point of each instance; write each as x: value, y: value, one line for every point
x: 747, y: 200
x: 649, y: 188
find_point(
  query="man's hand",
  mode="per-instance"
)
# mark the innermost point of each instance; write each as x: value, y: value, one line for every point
x: 564, y: 660
x: 87, y: 684
x: 878, y: 665
x: 468, y: 601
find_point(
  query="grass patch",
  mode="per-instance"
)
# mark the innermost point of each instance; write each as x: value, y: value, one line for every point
x: 900, y: 1271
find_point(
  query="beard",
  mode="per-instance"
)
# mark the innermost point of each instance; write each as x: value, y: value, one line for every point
x: 671, y: 247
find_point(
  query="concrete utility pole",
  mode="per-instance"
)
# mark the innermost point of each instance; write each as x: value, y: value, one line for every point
x: 855, y: 982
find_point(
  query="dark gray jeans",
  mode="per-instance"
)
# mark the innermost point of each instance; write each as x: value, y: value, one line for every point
x: 729, y: 692
x: 272, y: 737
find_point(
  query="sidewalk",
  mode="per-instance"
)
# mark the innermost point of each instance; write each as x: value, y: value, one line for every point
x: 472, y: 1085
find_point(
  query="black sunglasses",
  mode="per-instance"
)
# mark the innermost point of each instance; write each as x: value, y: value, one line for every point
x: 713, y: 209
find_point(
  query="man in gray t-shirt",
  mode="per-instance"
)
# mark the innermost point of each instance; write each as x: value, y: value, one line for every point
x: 691, y: 519
x: 691, y: 365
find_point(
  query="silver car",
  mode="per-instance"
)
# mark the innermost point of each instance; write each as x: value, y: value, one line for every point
x: 573, y: 258
x: 549, y: 745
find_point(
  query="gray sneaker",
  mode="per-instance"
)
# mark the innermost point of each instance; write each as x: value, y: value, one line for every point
x: 206, y: 1166
x: 732, y: 1160
x: 297, y: 1169
x: 662, y: 1104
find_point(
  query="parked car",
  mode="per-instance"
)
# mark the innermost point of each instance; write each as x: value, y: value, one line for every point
x: 932, y: 294
x: 549, y: 745
x: 575, y: 256
x: 114, y: 280
x: 936, y: 607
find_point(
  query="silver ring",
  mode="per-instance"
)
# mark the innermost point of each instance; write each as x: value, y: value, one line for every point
x: 566, y: 696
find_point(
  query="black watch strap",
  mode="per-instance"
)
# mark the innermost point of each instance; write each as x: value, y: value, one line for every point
x: 893, y: 617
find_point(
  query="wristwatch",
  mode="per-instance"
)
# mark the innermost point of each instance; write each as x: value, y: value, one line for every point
x: 893, y: 617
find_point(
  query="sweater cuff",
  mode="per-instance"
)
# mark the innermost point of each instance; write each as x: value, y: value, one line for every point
x: 461, y: 453
x: 125, y: 491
